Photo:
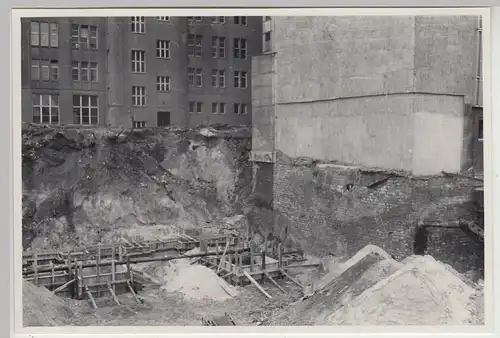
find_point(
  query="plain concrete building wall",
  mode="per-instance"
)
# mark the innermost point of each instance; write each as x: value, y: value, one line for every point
x: 361, y: 90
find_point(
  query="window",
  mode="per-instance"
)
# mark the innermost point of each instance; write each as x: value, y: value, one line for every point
x: 195, y: 107
x: 45, y: 109
x: 240, y: 20
x: 194, y: 45
x: 218, y: 47
x: 44, y: 70
x: 138, y: 61
x: 44, y: 34
x: 219, y: 19
x: 84, y: 36
x: 240, y: 48
x: 240, y: 109
x: 138, y: 25
x: 218, y: 78
x: 163, y: 49
x: 195, y: 77
x: 240, y: 79
x: 139, y: 124
x: 194, y: 18
x: 218, y: 108
x: 163, y: 18
x: 138, y: 96
x: 480, y: 130
x: 163, y: 83
x: 267, y: 36
x: 86, y: 71
x: 85, y: 109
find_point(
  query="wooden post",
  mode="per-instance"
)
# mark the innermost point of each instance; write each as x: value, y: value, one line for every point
x: 280, y: 256
x: 80, y: 278
x: 70, y: 277
x: 35, y: 266
x: 129, y: 269
x: 98, y: 261
x: 273, y: 249
x: 120, y: 253
x: 52, y: 274
x: 230, y: 256
x: 112, y: 293
x: 113, y: 268
x: 254, y: 282
x: 89, y: 294
x: 263, y: 263
x: 252, y: 253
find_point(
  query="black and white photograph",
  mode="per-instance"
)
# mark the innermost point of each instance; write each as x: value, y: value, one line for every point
x: 252, y: 170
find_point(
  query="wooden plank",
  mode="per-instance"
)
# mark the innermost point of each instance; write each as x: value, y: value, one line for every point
x: 97, y: 266
x: 223, y: 257
x: 35, y: 267
x: 113, y: 267
x: 52, y: 273
x: 64, y: 286
x: 91, y: 298
x: 291, y: 278
x: 136, y: 297
x: 274, y: 282
x: 254, y: 282
x: 113, y: 293
x: 280, y: 255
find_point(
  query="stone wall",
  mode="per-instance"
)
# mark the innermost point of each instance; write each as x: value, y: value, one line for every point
x: 337, y: 209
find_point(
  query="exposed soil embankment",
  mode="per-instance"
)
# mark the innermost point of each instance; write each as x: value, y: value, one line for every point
x: 84, y: 186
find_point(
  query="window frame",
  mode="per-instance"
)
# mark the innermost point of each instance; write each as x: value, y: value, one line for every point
x: 139, y: 63
x: 82, y: 107
x: 163, y: 83
x: 138, y: 24
x: 139, y: 96
x: 41, y: 107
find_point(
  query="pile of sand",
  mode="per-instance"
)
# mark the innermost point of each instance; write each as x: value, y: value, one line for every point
x: 194, y: 281
x: 422, y: 292
x: 43, y: 308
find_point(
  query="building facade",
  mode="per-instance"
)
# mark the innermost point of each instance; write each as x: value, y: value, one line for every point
x: 139, y: 71
x: 354, y: 121
x: 363, y: 84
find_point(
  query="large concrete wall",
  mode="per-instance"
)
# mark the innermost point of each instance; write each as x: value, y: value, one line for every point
x: 446, y: 55
x: 413, y: 132
x: 319, y: 58
x: 385, y: 92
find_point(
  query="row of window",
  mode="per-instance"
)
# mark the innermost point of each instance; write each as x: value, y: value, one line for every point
x: 218, y: 108
x: 195, y: 78
x: 194, y: 48
x: 45, y: 34
x: 48, y: 70
x: 46, y: 109
x: 138, y: 23
x: 86, y: 108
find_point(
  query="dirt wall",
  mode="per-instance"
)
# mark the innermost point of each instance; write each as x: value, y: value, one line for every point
x: 83, y: 186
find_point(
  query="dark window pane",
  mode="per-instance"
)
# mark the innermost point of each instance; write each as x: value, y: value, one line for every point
x: 76, y: 100
x: 36, y: 114
x: 93, y: 101
x: 45, y: 100
x: 76, y: 115
x: 85, y: 101
x: 45, y: 115
x: 85, y: 115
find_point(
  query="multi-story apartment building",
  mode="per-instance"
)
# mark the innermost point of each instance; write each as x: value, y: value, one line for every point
x: 139, y: 71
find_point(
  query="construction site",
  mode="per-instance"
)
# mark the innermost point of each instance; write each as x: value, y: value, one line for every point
x: 154, y: 227
x: 354, y: 197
